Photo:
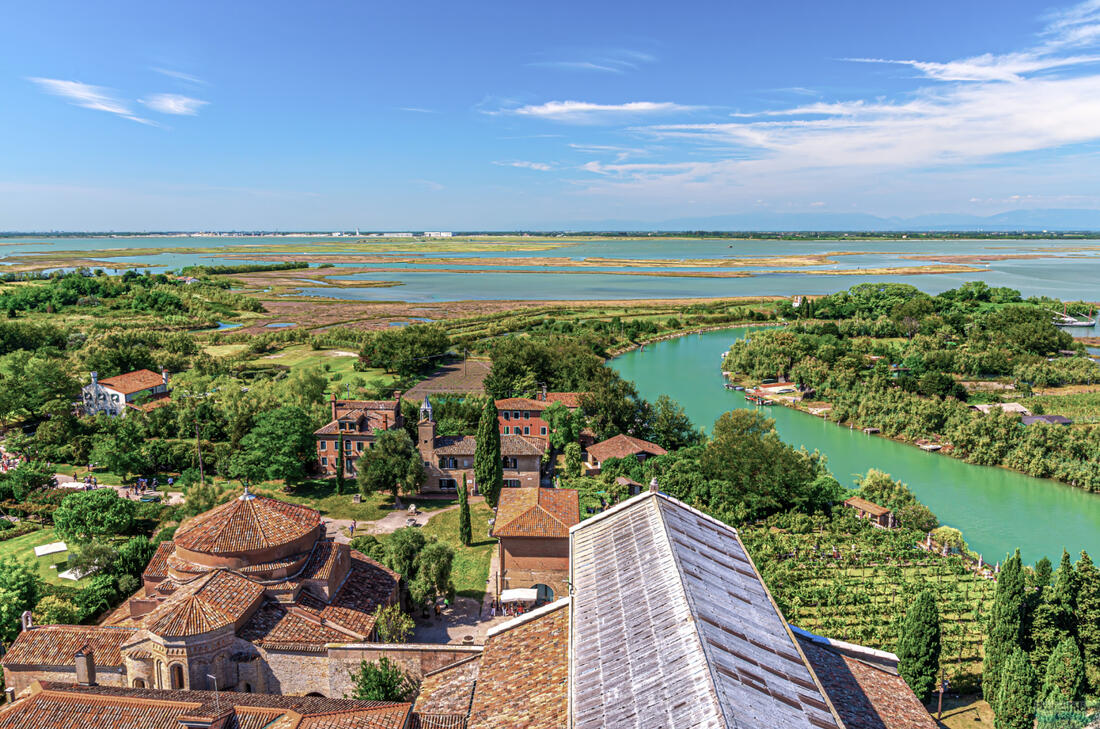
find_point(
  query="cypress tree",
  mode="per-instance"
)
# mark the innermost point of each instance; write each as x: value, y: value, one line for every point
x: 340, y: 465
x: 1065, y: 675
x: 1088, y: 619
x: 1054, y: 616
x: 919, y: 646
x: 464, y: 532
x: 488, y: 467
x: 1015, y: 707
x: 1005, y: 626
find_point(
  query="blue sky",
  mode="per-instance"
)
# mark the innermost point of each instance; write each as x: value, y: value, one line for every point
x: 491, y: 115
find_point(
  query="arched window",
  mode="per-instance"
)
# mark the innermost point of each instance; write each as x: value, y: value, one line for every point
x: 139, y: 683
x: 314, y: 693
x: 177, y: 676
x: 247, y: 687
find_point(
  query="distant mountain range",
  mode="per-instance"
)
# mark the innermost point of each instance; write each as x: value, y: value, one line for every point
x: 1024, y: 220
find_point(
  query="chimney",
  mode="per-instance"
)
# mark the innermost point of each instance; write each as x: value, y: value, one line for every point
x: 27, y: 619
x: 397, y: 394
x: 85, y: 666
x: 653, y: 485
x: 164, y: 377
x: 9, y: 694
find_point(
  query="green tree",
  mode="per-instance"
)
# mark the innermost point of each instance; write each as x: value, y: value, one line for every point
x: 133, y: 556
x: 918, y: 648
x: 670, y: 427
x: 1003, y: 636
x: 402, y: 550
x: 391, y: 464
x: 370, y: 545
x: 278, y: 446
x: 573, y: 463
x: 917, y: 516
x: 56, y: 610
x: 86, y: 515
x: 488, y: 466
x: 433, y: 572
x: 1054, y: 617
x: 613, y: 406
x: 1088, y: 619
x: 1015, y: 708
x: 20, y: 588
x: 1064, y: 679
x: 119, y: 444
x: 98, y: 595
x: 392, y: 624
x: 465, y: 533
x: 565, y: 424
x: 383, y: 681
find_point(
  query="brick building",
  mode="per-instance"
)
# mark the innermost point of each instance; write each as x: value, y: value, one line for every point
x: 523, y: 415
x: 447, y: 458
x: 532, y: 526
x: 251, y: 594
x: 354, y: 422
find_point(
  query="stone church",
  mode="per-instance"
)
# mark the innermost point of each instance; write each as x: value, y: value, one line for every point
x: 250, y: 596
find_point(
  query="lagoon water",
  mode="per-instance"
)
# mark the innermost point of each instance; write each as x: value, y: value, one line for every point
x: 996, y: 509
x: 1068, y: 269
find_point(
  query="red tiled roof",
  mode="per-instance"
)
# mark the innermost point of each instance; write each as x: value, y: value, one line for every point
x: 521, y: 403
x: 570, y: 400
x: 510, y: 445
x: 56, y: 645
x: 865, y: 696
x: 205, y: 604
x: 621, y: 446
x: 523, y: 679
x: 247, y: 524
x: 61, y: 706
x: 132, y: 382
x: 448, y: 691
x: 158, y: 565
x: 536, y: 512
x: 868, y: 506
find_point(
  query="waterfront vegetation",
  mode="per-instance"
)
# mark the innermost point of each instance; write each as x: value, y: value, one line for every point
x: 890, y: 357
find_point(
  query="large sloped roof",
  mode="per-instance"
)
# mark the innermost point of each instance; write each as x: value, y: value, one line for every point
x: 57, y: 645
x: 245, y: 524
x: 132, y: 382
x: 63, y: 706
x: 673, y: 627
x: 536, y: 512
x: 621, y: 446
x: 206, y: 603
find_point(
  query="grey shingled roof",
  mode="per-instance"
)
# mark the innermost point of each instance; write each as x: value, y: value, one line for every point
x: 672, y: 627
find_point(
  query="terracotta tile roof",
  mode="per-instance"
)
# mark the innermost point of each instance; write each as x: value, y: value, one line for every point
x: 521, y: 403
x: 56, y: 645
x: 368, y: 585
x: 205, y: 604
x: 62, y: 706
x: 346, y: 405
x: 132, y: 382
x: 510, y: 445
x: 867, y: 506
x: 437, y: 721
x: 456, y: 445
x: 282, y: 627
x: 621, y: 446
x: 158, y: 566
x: 865, y: 696
x: 570, y: 400
x: 523, y: 678
x: 450, y: 690
x: 246, y: 524
x: 536, y: 512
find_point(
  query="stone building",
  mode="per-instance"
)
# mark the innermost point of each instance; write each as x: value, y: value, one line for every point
x: 250, y: 596
x: 447, y: 458
x: 354, y: 422
x: 532, y: 526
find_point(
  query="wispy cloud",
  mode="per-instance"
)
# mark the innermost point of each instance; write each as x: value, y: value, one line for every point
x: 179, y: 76
x: 617, y: 60
x: 586, y: 112
x: 88, y: 97
x: 540, y: 166
x: 417, y: 110
x: 619, y: 153
x: 174, y: 104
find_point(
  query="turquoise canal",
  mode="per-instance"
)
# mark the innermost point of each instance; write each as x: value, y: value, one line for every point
x: 997, y: 510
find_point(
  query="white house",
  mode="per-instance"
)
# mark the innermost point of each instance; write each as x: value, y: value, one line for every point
x: 438, y: 234
x: 114, y: 395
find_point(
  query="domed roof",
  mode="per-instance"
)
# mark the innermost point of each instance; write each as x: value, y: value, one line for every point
x: 246, y: 524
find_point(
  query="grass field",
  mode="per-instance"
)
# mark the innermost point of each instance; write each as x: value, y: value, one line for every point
x: 22, y: 548
x: 1080, y: 406
x: 470, y: 571
x: 321, y: 495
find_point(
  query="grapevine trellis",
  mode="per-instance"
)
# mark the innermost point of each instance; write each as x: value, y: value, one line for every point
x: 852, y: 582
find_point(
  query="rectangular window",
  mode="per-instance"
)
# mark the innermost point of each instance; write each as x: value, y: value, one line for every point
x: 506, y: 414
x: 324, y: 461
x: 448, y: 484
x: 359, y: 446
x: 542, y: 430
x: 527, y: 430
x: 512, y: 483
x: 511, y: 462
x: 526, y: 414
x: 323, y: 444
x: 515, y: 415
x: 347, y: 444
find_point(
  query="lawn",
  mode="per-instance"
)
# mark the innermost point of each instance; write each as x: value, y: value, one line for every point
x: 470, y: 572
x: 337, y: 364
x: 321, y: 495
x: 22, y: 548
x: 1079, y: 406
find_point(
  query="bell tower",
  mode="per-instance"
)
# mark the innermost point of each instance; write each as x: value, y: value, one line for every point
x: 426, y: 430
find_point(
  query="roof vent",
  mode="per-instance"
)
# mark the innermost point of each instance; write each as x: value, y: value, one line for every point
x: 653, y: 485
x: 247, y: 495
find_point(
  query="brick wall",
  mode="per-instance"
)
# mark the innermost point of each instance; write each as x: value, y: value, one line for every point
x: 529, y: 561
x: 20, y: 677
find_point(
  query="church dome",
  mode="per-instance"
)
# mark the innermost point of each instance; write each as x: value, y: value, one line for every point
x: 248, y: 530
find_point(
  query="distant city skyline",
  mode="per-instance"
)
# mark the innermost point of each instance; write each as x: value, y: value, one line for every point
x: 333, y: 116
